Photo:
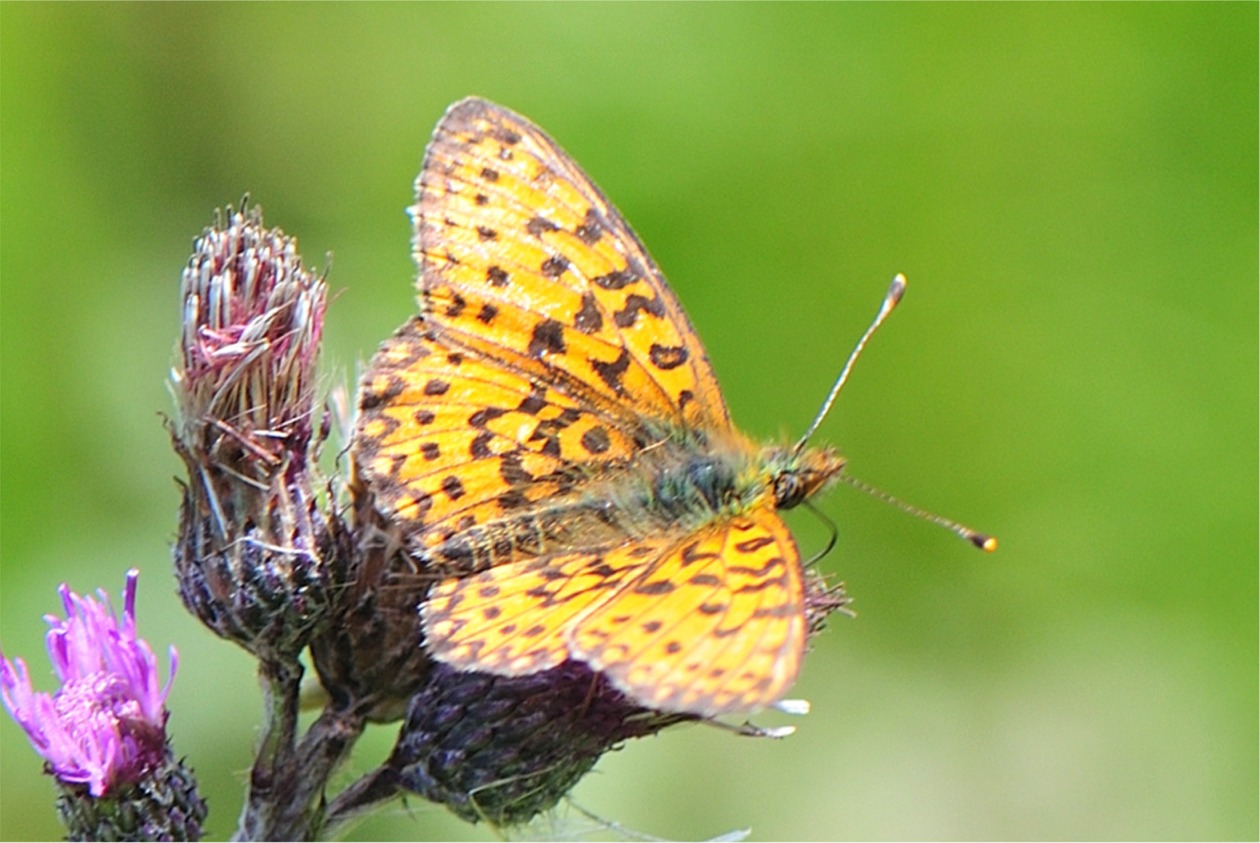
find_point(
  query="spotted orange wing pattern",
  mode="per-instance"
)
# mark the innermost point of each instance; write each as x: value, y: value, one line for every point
x: 521, y: 255
x: 448, y: 439
x: 516, y: 619
x: 714, y: 625
x: 548, y: 338
x: 707, y: 624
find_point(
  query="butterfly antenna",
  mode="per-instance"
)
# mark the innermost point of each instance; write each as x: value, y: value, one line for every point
x: 895, y: 291
x: 981, y: 540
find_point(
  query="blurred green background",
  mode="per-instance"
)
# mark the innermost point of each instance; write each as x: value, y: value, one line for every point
x: 1072, y: 191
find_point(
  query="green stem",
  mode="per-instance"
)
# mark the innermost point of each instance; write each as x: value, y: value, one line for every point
x: 268, y: 807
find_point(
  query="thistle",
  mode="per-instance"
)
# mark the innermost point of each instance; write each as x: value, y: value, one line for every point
x: 102, y: 734
x: 253, y: 541
x: 368, y: 655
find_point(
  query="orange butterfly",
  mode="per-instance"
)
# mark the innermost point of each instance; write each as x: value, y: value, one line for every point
x: 551, y: 437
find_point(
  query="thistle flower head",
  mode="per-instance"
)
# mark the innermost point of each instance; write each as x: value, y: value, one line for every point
x: 504, y: 749
x: 369, y: 655
x: 253, y: 540
x: 106, y: 726
x: 253, y: 317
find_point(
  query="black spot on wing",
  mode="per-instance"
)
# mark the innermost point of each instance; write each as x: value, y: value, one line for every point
x: 554, y: 266
x: 480, y: 447
x: 615, y: 280
x: 591, y: 229
x: 588, y: 319
x: 636, y: 304
x: 456, y: 307
x: 376, y: 397
x: 655, y: 587
x: 750, y: 545
x: 538, y: 226
x: 596, y: 440
x: 452, y: 487
x: 487, y: 313
x: 668, y: 356
x: 534, y: 402
x: 497, y: 276
x: 611, y: 373
x: 548, y: 337
x: 484, y: 416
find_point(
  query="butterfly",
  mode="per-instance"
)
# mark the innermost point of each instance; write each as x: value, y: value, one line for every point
x: 551, y: 438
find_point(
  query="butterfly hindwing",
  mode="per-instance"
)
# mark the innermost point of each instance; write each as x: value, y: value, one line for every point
x: 715, y: 624
x: 708, y: 623
x: 517, y: 618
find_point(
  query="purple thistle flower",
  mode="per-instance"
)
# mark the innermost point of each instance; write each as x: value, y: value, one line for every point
x: 106, y: 726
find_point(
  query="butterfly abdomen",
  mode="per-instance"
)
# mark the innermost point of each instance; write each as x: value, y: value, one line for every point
x: 566, y: 524
x: 673, y: 489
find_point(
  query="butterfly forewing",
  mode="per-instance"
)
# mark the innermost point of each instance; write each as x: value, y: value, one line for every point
x: 444, y: 436
x: 508, y: 226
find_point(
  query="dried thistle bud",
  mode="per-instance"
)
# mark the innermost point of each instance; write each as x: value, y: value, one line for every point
x: 253, y: 544
x: 504, y: 749
x: 821, y: 599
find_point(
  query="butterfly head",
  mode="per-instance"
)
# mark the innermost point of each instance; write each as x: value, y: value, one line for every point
x: 797, y: 475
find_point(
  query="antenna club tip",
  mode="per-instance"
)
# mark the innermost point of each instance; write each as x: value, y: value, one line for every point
x: 898, y: 287
x: 986, y: 543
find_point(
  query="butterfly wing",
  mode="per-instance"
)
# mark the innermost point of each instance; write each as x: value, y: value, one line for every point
x: 447, y: 439
x: 548, y: 340
x: 707, y: 624
x: 714, y: 625
x: 516, y: 619
x: 521, y: 255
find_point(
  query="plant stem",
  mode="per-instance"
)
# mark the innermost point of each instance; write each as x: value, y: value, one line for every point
x: 267, y: 812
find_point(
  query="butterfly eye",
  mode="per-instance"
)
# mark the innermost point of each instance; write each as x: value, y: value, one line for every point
x: 789, y: 490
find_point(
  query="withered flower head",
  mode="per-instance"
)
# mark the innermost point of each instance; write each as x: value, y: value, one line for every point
x: 251, y: 555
